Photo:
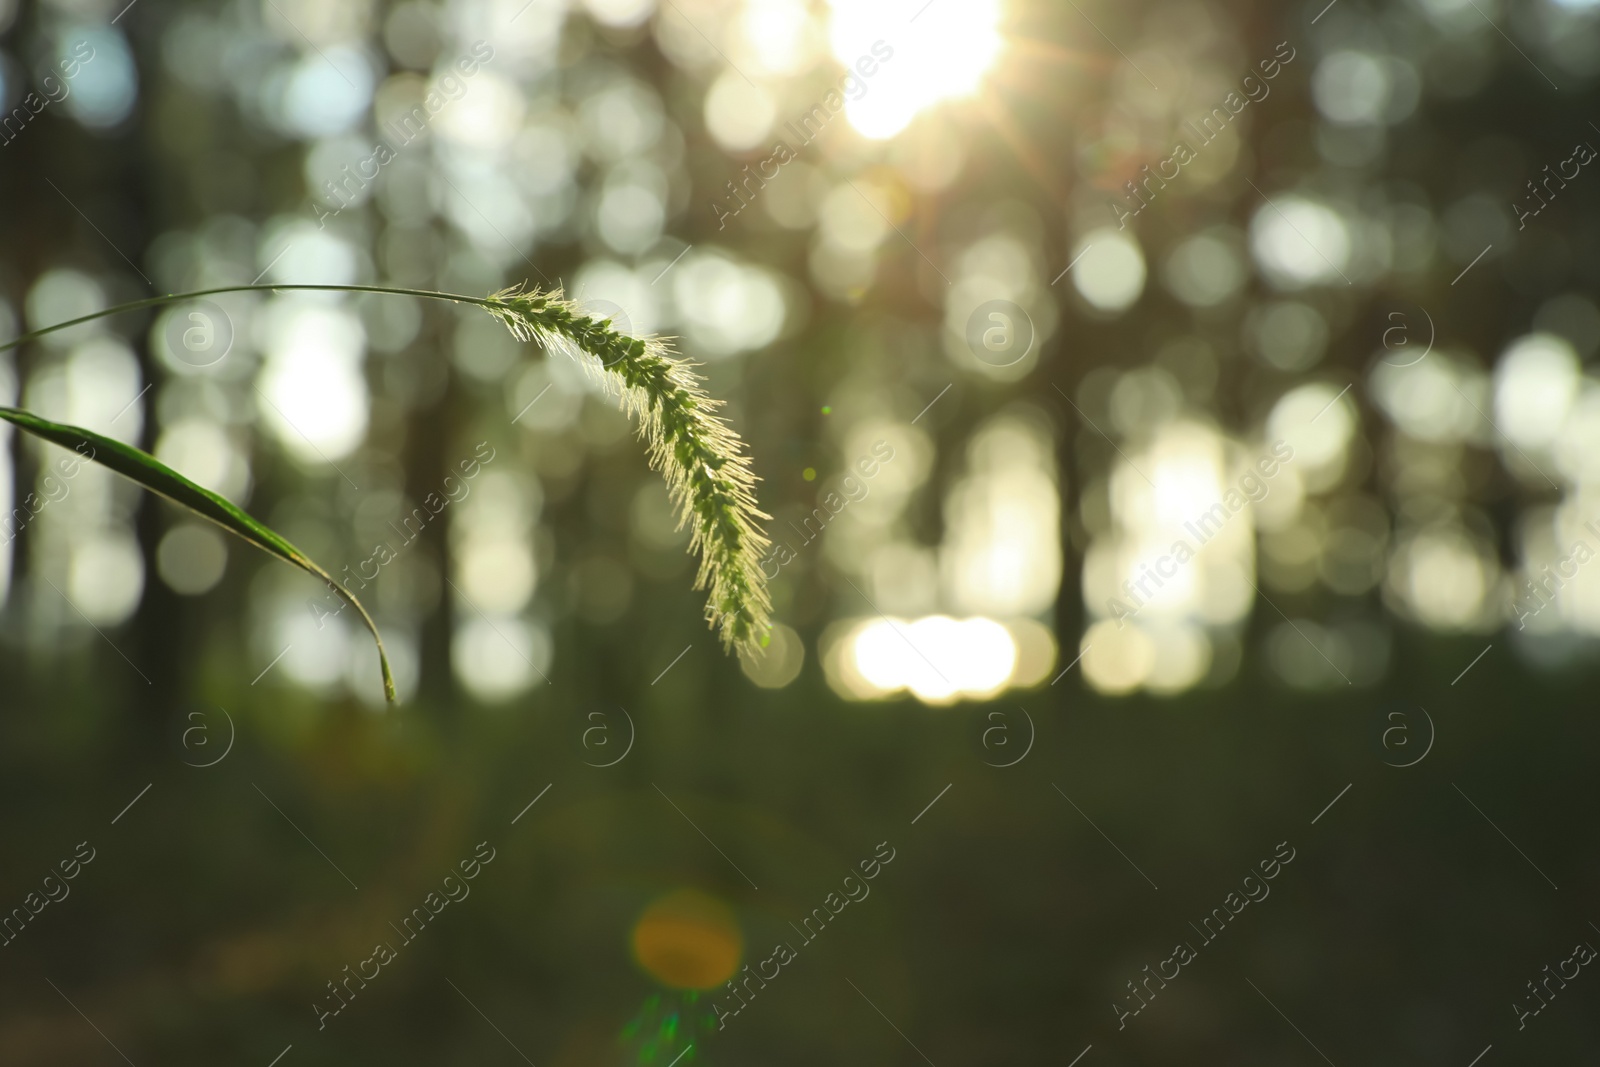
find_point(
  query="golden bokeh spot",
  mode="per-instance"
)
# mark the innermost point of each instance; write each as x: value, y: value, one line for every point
x: 688, y: 940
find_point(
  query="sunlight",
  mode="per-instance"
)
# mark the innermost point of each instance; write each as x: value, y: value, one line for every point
x: 938, y: 658
x: 313, y: 396
x: 920, y: 54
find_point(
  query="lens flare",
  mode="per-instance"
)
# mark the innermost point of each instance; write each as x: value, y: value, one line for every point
x: 941, y: 53
x: 688, y: 940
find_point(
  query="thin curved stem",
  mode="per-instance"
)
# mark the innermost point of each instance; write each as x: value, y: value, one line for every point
x: 708, y: 475
x: 157, y: 301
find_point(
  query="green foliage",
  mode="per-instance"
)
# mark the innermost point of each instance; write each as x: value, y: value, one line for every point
x: 146, y: 470
x: 702, y: 460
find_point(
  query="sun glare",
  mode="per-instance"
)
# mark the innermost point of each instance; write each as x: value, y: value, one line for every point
x: 936, y: 51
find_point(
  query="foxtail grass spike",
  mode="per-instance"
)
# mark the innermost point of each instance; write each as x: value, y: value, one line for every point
x: 707, y: 473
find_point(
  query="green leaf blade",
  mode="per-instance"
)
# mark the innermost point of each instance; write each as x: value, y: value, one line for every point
x: 145, y: 470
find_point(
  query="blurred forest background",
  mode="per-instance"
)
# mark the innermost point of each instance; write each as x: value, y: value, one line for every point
x: 989, y: 384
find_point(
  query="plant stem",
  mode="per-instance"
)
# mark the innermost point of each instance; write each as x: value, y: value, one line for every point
x: 707, y: 473
x: 158, y: 301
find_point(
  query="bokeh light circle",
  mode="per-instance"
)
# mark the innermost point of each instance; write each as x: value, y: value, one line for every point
x: 688, y: 940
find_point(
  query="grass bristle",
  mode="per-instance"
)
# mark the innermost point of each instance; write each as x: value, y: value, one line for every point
x: 707, y: 473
